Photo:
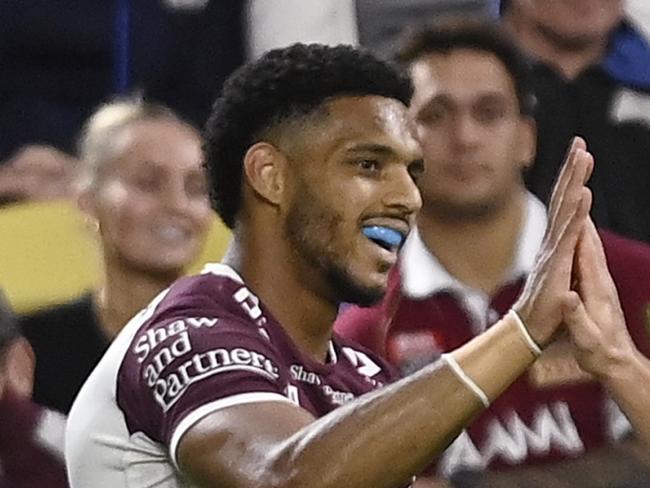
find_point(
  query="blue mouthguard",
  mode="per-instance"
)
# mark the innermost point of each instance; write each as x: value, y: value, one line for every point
x: 386, y: 235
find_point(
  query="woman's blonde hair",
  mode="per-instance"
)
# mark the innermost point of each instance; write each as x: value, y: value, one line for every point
x: 100, y: 137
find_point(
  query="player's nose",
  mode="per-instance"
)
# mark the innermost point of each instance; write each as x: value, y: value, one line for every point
x: 402, y: 192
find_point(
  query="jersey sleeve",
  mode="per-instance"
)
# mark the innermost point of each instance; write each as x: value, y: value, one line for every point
x: 190, y: 361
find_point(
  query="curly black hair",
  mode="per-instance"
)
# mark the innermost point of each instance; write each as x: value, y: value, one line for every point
x: 282, y: 86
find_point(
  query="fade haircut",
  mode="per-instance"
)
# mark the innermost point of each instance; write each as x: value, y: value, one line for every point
x: 282, y: 87
x: 475, y: 34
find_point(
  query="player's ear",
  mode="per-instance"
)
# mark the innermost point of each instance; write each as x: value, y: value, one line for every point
x: 265, y: 169
x: 527, y: 141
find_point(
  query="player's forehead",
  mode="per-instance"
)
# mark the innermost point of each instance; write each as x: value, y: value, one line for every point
x: 461, y: 73
x: 370, y: 120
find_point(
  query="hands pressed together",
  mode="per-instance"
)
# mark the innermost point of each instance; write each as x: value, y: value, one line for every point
x: 571, y: 288
x: 571, y: 291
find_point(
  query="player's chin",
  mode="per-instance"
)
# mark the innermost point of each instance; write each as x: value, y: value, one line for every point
x: 366, y: 297
x: 358, y: 282
x: 368, y: 291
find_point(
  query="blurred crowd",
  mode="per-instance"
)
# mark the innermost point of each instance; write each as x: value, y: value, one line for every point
x: 102, y: 106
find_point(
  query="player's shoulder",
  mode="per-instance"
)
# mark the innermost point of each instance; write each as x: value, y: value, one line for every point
x: 217, y: 291
x: 199, y: 327
x: 213, y: 303
x: 215, y: 285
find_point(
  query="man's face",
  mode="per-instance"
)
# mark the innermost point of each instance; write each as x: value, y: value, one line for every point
x: 474, y: 140
x: 355, y: 170
x: 572, y: 23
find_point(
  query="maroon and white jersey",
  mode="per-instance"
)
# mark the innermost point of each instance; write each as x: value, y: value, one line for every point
x: 554, y: 411
x: 204, y: 344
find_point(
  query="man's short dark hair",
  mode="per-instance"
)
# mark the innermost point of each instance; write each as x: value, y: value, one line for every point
x: 9, y: 330
x: 476, y: 34
x: 284, y: 85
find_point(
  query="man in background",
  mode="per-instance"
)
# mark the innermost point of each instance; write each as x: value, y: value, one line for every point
x: 591, y: 74
x: 31, y: 437
x: 464, y: 265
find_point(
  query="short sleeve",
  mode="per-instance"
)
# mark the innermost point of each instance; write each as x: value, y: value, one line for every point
x: 182, y: 367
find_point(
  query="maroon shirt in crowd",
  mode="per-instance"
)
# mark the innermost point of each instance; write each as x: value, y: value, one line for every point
x: 554, y: 411
x: 31, y: 445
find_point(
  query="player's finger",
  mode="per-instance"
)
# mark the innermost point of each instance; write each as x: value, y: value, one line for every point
x: 564, y: 175
x: 595, y: 281
x: 574, y: 315
x: 564, y: 249
x: 570, y: 199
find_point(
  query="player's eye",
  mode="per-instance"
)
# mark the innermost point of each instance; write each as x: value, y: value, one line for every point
x: 369, y: 165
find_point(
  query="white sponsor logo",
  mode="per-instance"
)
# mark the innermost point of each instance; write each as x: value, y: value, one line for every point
x: 513, y: 441
x: 338, y: 397
x: 365, y: 365
x: 293, y: 394
x: 169, y: 388
x: 299, y: 373
x: 251, y: 305
x: 154, y: 337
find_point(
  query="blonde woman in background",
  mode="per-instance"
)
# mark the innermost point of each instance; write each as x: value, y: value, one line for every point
x: 143, y: 189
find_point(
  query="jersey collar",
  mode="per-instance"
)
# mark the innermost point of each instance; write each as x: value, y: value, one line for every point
x: 423, y: 275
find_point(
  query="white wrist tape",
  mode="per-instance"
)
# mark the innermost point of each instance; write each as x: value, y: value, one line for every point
x: 532, y: 345
x: 469, y: 382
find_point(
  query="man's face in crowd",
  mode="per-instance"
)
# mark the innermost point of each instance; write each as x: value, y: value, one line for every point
x: 474, y: 140
x: 354, y: 169
x: 572, y: 23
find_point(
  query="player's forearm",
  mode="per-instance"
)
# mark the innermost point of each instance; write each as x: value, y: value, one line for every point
x: 383, y: 437
x: 629, y: 383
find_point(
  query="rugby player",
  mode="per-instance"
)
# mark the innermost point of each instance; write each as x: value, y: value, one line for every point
x: 233, y: 378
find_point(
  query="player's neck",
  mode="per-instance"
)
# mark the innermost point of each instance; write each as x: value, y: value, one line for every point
x: 477, y: 252
x: 293, y: 297
x: 569, y: 62
x: 123, y: 294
